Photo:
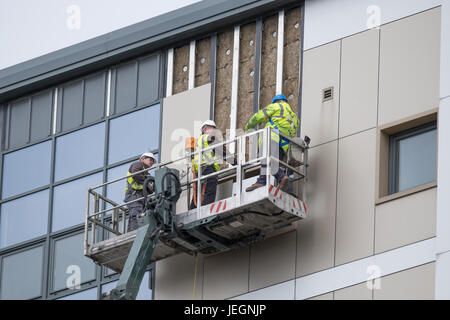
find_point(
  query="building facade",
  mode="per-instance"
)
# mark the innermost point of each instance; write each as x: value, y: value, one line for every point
x: 372, y: 87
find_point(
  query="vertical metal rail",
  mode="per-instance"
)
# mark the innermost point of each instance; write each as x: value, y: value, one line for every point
x: 234, y: 87
x: 239, y: 169
x: 86, y: 240
x: 267, y: 136
x: 199, y: 175
x: 169, y: 83
x: 124, y: 220
x: 191, y: 82
x: 96, y: 209
x: 280, y: 53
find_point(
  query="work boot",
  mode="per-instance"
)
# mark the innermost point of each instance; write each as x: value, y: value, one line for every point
x: 254, y: 186
x: 283, y: 185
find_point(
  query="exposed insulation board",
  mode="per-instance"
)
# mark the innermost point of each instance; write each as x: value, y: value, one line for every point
x: 224, y: 71
x: 268, y: 60
x: 202, y: 61
x: 180, y: 69
x: 246, y: 74
x: 291, y: 61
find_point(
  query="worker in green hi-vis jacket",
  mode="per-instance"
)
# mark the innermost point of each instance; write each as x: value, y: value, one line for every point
x: 280, y: 117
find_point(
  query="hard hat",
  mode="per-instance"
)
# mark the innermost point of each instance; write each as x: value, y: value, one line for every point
x: 279, y: 97
x: 148, y: 155
x: 208, y: 123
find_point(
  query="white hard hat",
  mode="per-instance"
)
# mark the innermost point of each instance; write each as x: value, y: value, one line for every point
x: 208, y: 123
x: 148, y: 155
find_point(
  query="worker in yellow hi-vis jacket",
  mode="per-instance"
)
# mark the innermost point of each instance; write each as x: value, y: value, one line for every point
x: 134, y: 189
x: 280, y: 117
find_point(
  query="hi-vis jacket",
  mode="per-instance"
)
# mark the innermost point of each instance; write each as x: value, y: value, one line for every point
x: 135, y: 183
x: 280, y: 117
x: 208, y: 157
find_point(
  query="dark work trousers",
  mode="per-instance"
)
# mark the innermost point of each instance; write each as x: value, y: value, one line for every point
x: 210, y: 189
x: 134, y: 209
x: 275, y: 169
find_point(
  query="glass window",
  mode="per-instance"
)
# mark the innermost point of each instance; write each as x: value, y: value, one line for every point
x: 80, y: 151
x: 145, y: 291
x: 22, y: 275
x: 125, y: 89
x: 71, y: 267
x: 19, y: 123
x: 70, y: 106
x: 94, y: 97
x: 29, y: 215
x: 116, y: 191
x: 412, y: 158
x: 69, y: 201
x: 90, y: 294
x: 134, y: 134
x: 148, y: 79
x: 41, y: 115
x: 26, y: 169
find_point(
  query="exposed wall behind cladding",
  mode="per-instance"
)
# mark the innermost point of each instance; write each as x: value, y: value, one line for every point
x: 291, y: 57
x: 202, y: 61
x: 246, y: 88
x: 180, y: 69
x: 268, y: 60
x: 224, y: 72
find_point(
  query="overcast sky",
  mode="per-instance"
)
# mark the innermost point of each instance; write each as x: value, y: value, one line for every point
x: 31, y: 28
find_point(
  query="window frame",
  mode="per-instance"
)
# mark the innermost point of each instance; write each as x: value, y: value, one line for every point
x: 394, y: 140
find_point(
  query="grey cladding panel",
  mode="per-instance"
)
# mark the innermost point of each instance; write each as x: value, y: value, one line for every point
x: 72, y: 103
x: 19, y: 123
x: 148, y: 79
x: 125, y: 88
x: 94, y: 97
x: 41, y: 115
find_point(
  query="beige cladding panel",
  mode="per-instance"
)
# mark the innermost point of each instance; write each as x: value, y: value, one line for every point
x: 174, y: 278
x: 409, y: 66
x: 183, y: 114
x: 226, y: 274
x: 405, y: 220
x: 316, y: 233
x: 180, y: 69
x: 357, y: 292
x: 320, y: 71
x: 272, y: 261
x: 355, y: 200
x: 413, y: 284
x: 359, y: 83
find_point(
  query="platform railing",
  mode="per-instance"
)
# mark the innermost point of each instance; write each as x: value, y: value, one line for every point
x: 114, y: 219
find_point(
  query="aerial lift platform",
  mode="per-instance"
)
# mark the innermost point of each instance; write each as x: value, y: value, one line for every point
x: 236, y: 221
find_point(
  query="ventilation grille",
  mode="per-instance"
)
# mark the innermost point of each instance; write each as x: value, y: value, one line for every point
x: 327, y: 94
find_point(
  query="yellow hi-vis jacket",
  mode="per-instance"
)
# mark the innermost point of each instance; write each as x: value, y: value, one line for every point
x: 208, y: 157
x: 280, y: 117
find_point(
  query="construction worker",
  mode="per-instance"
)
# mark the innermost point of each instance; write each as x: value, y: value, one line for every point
x: 279, y: 116
x: 209, y: 164
x: 135, y: 187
